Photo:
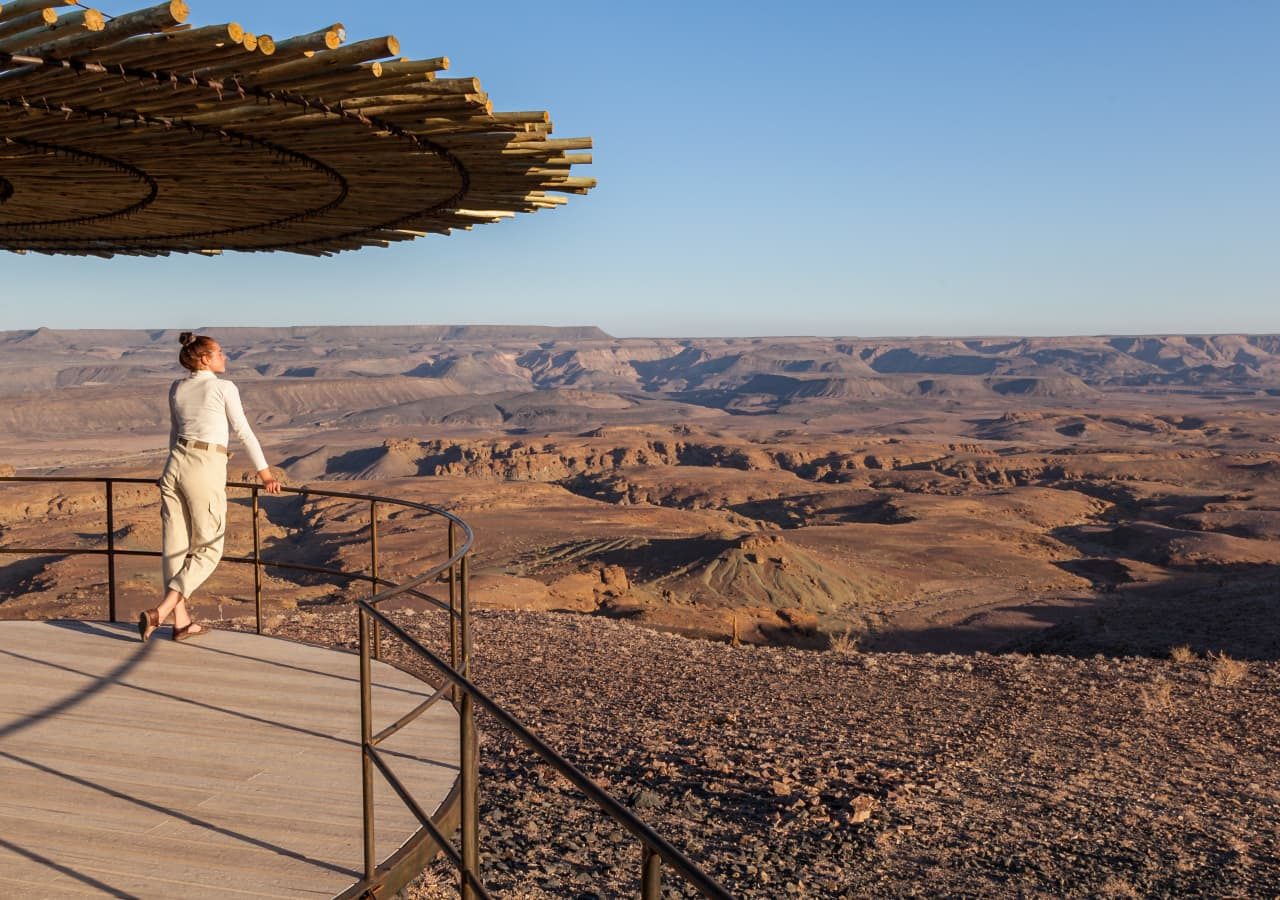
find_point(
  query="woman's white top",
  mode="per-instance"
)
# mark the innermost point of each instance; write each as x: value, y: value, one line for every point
x: 200, y: 406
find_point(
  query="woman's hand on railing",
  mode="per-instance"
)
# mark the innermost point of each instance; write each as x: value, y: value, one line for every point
x: 269, y: 481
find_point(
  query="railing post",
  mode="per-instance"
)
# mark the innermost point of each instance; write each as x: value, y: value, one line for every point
x: 373, y: 549
x: 469, y: 758
x: 111, y: 553
x: 651, y: 874
x: 453, y: 606
x: 257, y: 563
x: 366, y: 735
x: 464, y: 617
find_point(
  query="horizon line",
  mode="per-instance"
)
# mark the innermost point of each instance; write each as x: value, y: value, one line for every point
x: 610, y: 336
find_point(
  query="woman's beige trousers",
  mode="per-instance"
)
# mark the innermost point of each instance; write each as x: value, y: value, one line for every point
x: 193, y: 513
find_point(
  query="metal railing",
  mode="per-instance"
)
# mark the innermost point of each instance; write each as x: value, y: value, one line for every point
x: 461, y: 809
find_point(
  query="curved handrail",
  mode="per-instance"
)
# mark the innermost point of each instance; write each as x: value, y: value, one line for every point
x: 258, y: 489
x: 656, y: 849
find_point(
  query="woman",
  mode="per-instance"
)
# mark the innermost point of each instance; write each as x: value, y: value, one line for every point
x: 193, y: 487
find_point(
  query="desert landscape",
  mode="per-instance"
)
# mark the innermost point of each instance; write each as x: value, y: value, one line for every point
x: 1082, y: 495
x: 988, y: 614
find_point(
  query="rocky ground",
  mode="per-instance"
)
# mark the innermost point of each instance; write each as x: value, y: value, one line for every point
x: 788, y: 772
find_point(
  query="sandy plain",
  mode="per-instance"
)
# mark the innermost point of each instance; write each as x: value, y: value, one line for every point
x: 887, y: 503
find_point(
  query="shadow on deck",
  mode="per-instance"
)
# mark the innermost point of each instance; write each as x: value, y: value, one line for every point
x: 225, y: 766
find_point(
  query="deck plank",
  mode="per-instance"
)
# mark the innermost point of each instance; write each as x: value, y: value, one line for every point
x: 223, y: 767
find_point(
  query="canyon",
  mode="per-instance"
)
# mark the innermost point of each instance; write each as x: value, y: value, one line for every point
x: 1080, y: 494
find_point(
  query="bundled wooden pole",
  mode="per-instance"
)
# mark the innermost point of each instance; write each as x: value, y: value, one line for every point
x: 330, y: 38
x: 165, y: 15
x: 15, y: 9
x: 45, y: 16
x: 84, y: 21
x: 311, y: 66
x: 158, y: 51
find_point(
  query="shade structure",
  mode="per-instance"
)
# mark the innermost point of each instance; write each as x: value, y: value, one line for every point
x: 141, y: 134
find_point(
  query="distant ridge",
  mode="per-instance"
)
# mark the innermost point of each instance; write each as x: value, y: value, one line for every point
x: 428, y: 333
x: 417, y: 373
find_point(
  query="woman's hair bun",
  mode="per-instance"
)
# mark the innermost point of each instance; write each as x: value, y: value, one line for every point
x: 186, y: 338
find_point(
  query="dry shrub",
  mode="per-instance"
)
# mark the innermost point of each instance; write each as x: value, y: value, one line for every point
x: 1182, y: 654
x: 1117, y: 888
x: 845, y: 643
x: 1226, y: 671
x: 1158, y: 696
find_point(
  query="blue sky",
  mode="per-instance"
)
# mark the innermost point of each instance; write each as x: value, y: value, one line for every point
x: 891, y: 168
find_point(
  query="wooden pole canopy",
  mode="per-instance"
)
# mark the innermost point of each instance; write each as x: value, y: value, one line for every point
x: 139, y: 134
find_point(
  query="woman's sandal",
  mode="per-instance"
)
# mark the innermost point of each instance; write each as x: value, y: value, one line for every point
x: 148, y: 622
x: 191, y: 631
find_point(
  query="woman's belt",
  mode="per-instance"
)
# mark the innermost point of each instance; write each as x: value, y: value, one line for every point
x: 202, y: 445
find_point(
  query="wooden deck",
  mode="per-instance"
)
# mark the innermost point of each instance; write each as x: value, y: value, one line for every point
x: 227, y: 766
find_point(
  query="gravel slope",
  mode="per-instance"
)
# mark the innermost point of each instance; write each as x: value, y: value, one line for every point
x: 982, y: 775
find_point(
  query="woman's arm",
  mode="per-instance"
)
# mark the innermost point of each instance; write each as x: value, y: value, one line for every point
x: 235, y: 415
x: 269, y: 481
x: 173, y: 415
